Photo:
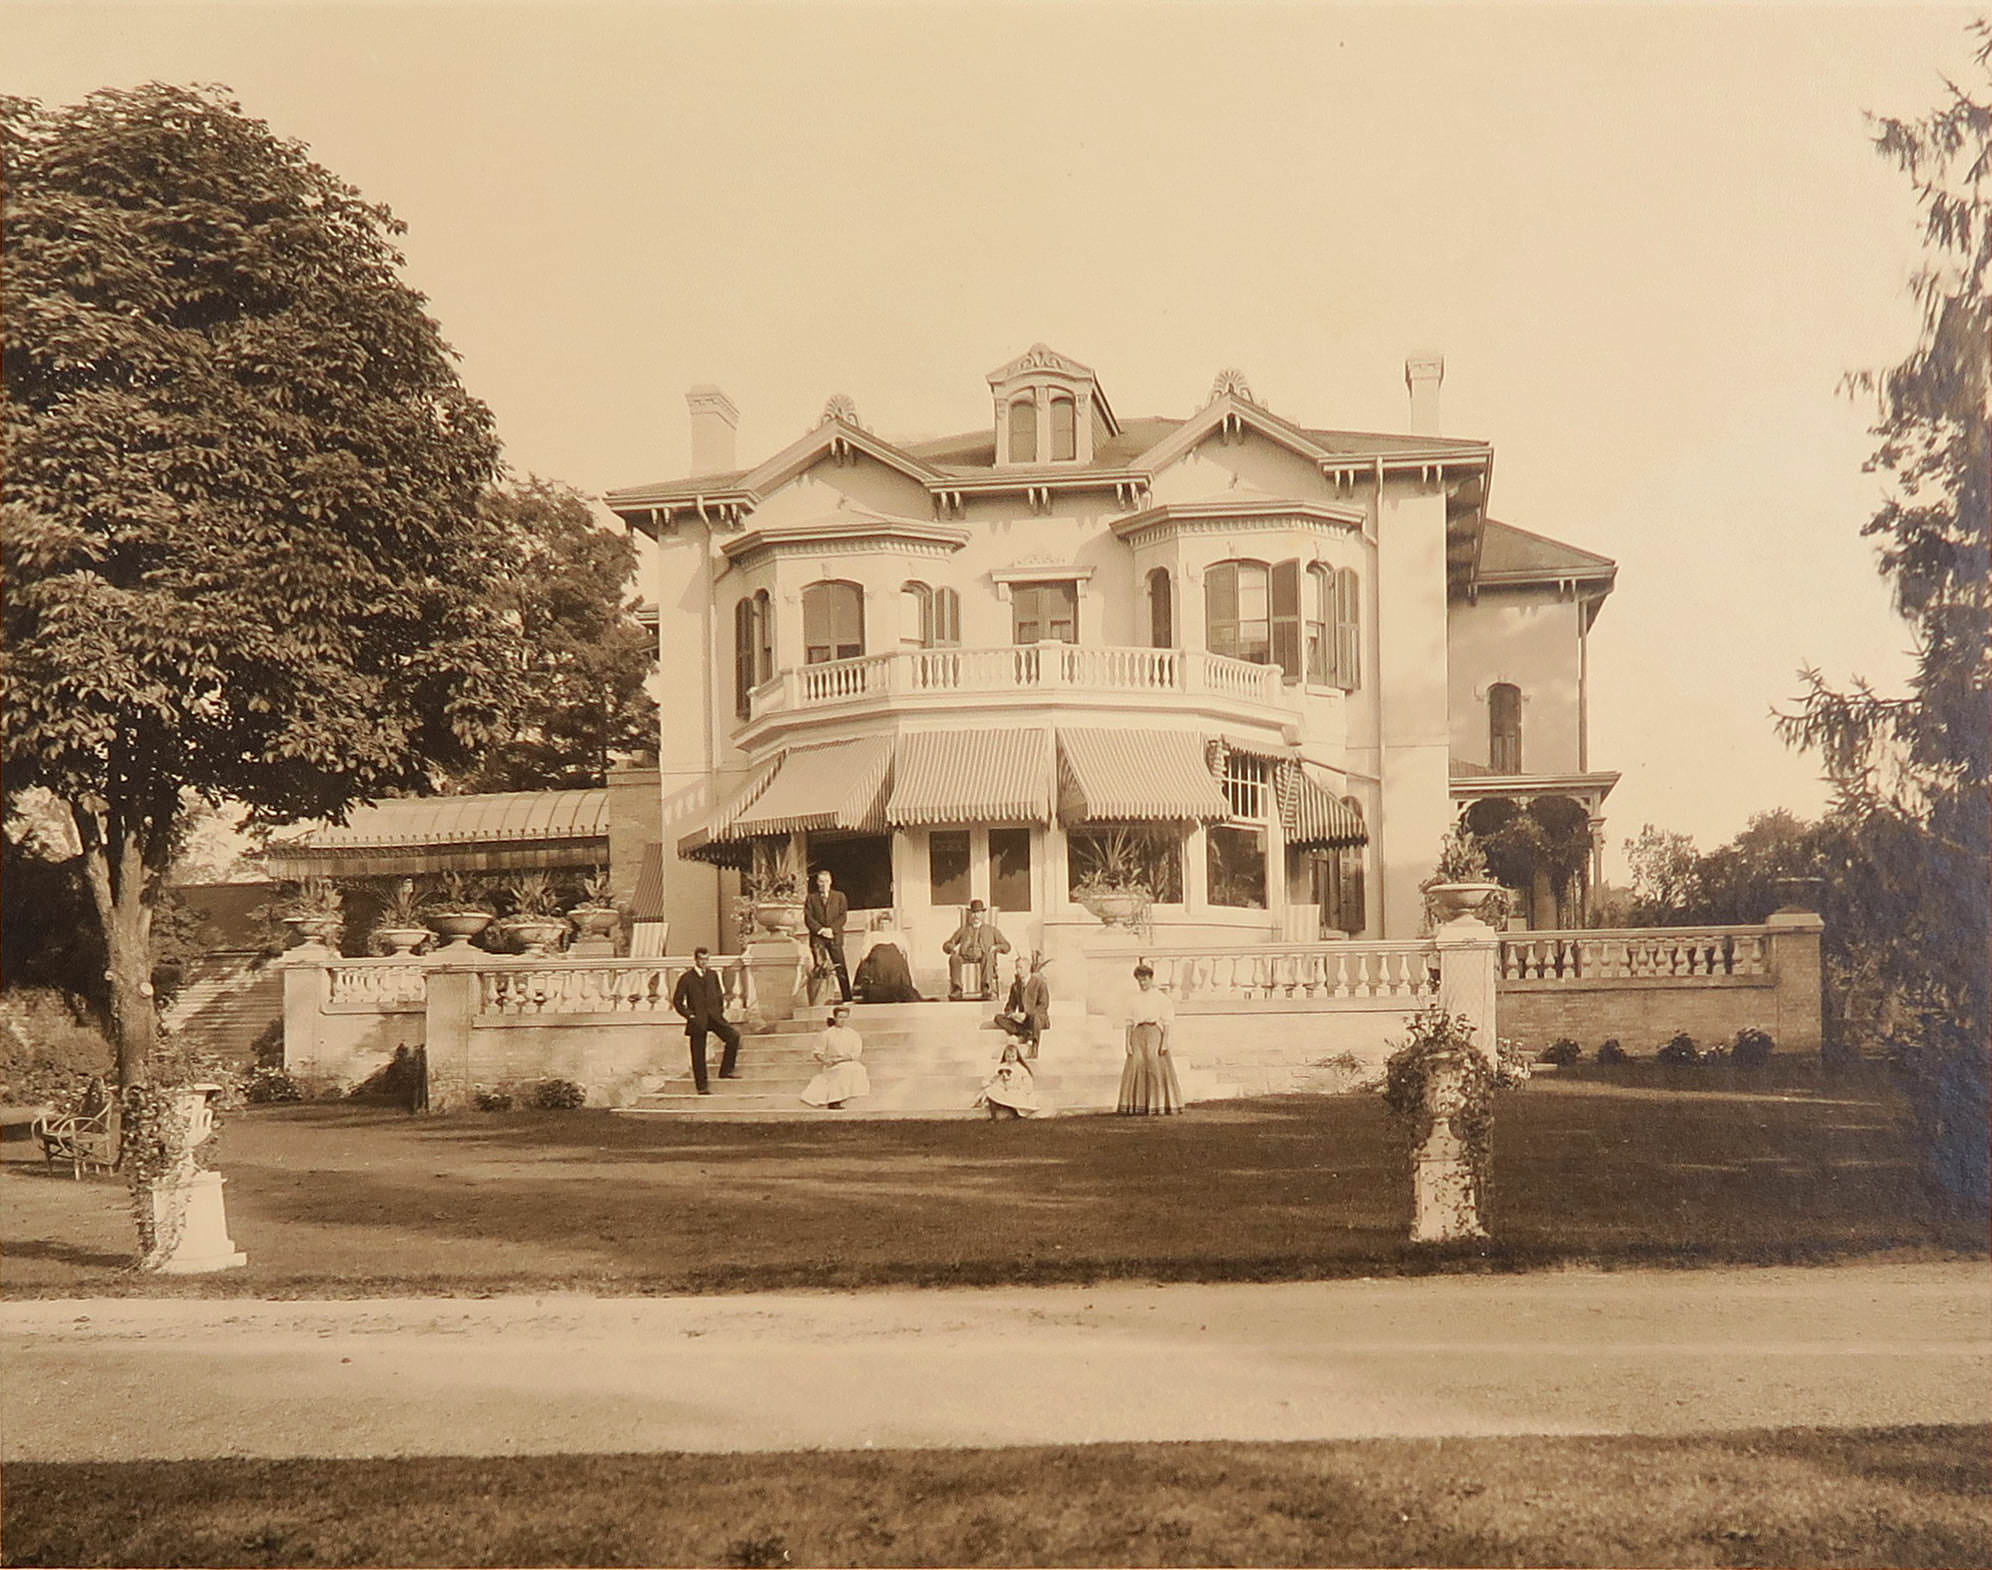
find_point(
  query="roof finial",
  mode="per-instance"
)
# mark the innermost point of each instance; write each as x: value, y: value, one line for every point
x: 841, y: 407
x: 1231, y: 383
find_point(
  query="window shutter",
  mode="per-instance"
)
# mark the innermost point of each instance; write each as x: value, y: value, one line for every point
x: 743, y: 657
x: 1286, y: 618
x: 1348, y: 630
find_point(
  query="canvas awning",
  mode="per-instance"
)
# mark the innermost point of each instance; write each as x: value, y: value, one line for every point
x: 837, y: 785
x: 1314, y: 817
x: 409, y: 835
x: 1135, y: 775
x: 971, y: 776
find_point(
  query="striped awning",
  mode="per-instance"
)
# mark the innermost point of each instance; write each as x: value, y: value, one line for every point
x: 647, y: 904
x: 405, y: 836
x: 837, y: 785
x: 1314, y: 817
x: 1134, y: 775
x: 971, y: 776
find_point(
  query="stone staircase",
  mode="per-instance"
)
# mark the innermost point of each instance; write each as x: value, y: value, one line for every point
x: 924, y: 1060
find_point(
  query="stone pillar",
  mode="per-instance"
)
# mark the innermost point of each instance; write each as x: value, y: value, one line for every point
x: 452, y: 1008
x: 773, y: 961
x: 1410, y: 676
x: 1794, y: 961
x: 307, y: 989
x: 1468, y: 950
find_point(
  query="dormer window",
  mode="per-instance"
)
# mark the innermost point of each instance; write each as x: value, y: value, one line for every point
x: 1049, y: 410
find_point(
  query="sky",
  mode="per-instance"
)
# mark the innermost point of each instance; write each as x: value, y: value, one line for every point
x: 1649, y: 242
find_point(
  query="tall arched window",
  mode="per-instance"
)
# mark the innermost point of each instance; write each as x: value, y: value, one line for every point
x: 1504, y: 728
x: 1237, y: 618
x: 833, y: 622
x: 1064, y: 430
x: 916, y: 616
x: 1023, y: 429
x: 947, y: 619
x: 1161, y: 610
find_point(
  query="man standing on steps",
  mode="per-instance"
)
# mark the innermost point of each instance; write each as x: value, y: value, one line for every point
x: 701, y: 998
x: 824, y: 914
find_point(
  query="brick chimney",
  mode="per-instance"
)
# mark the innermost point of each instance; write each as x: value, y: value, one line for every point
x: 1422, y: 375
x: 714, y: 420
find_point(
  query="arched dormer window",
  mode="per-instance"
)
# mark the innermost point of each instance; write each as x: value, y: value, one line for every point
x: 833, y: 622
x: 1237, y: 611
x: 1023, y: 428
x: 1504, y: 728
x: 1064, y: 429
x: 1161, y: 610
x: 916, y: 616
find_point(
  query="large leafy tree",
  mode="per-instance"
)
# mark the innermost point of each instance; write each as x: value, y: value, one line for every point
x: 581, y: 658
x: 1911, y: 772
x: 245, y: 547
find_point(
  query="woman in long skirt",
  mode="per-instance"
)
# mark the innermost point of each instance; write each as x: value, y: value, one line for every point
x: 841, y: 1075
x: 1148, y: 1079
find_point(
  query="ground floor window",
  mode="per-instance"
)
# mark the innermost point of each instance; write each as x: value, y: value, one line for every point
x: 859, y: 864
x: 1010, y: 869
x: 1237, y: 866
x: 1149, y: 853
x: 947, y: 866
x: 1334, y: 879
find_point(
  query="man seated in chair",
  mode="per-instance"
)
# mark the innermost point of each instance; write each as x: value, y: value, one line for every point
x: 975, y: 942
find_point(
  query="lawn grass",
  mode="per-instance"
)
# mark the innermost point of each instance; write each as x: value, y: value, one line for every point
x: 1895, y: 1497
x: 344, y: 1200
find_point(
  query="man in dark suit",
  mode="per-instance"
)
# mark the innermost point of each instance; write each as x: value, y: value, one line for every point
x: 824, y: 914
x: 700, y: 997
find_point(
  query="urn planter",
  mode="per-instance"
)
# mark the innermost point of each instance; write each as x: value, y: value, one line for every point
x: 459, y: 926
x: 1115, y: 907
x: 535, y: 935
x: 1450, y: 901
x: 594, y: 921
x: 783, y: 916
x: 402, y: 940
x: 320, y: 930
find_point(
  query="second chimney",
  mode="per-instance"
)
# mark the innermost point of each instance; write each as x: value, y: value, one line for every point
x: 1422, y: 375
x: 714, y: 420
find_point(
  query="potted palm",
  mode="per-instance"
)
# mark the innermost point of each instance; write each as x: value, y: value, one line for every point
x: 535, y: 924
x: 399, y: 928
x: 458, y: 910
x: 596, y: 915
x: 315, y: 912
x: 775, y: 888
x: 1113, y: 882
x: 1460, y: 885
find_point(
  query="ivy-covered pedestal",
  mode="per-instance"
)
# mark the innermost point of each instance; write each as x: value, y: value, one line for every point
x: 1445, y: 1182
x: 182, y: 1223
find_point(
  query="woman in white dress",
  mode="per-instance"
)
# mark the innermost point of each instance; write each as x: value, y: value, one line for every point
x: 1148, y: 1078
x: 841, y: 1076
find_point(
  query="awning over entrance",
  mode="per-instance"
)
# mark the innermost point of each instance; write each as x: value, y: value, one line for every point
x: 971, y: 776
x: 409, y: 835
x: 1314, y: 817
x: 838, y: 785
x: 1135, y: 775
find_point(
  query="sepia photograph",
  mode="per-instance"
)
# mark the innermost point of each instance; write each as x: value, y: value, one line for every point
x: 784, y: 785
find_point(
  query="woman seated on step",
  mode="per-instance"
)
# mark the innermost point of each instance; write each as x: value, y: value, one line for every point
x: 838, y: 1050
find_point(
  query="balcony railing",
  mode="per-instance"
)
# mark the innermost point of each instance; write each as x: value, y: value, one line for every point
x: 1035, y: 667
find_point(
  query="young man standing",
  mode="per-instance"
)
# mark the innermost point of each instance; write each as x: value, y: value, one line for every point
x: 824, y: 914
x: 700, y: 997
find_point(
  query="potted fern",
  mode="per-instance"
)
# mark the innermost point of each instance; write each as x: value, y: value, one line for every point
x: 596, y: 916
x: 1460, y: 885
x: 315, y: 912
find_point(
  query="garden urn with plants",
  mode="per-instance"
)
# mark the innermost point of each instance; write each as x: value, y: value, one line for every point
x: 1114, y: 881
x: 315, y: 913
x: 1440, y: 1089
x: 1461, y: 885
x: 182, y: 1224
x: 400, y: 929
x: 459, y: 910
x: 536, y: 923
x: 595, y: 919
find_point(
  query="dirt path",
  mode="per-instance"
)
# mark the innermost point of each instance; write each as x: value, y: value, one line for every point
x: 1575, y: 1352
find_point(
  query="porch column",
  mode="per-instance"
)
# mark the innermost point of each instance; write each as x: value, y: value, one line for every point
x: 1597, y: 825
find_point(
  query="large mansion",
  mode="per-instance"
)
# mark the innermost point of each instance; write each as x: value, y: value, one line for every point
x: 1263, y: 666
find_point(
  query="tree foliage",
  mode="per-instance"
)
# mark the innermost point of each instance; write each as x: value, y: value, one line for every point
x: 245, y: 551
x: 581, y: 658
x: 1911, y: 773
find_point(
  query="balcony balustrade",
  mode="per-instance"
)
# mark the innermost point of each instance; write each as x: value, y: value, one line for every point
x: 908, y: 676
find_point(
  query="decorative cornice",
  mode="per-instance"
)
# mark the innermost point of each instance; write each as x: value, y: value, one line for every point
x: 1212, y: 517
x: 848, y: 537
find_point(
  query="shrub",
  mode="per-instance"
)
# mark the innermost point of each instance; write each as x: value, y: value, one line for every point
x: 492, y: 1100
x: 49, y: 1051
x: 558, y: 1095
x: 269, y: 1085
x: 1681, y: 1049
x: 1751, y: 1048
x: 1609, y: 1051
x: 1562, y: 1050
x: 267, y: 1049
